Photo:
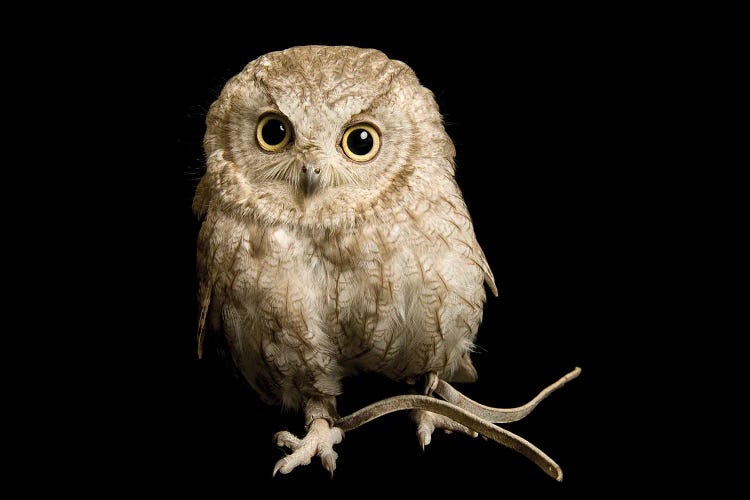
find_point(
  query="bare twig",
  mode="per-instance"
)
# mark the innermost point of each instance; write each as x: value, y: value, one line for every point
x: 499, y: 415
x: 461, y: 409
x: 414, y: 402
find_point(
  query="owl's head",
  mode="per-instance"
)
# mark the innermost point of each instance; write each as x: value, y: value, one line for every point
x: 323, y: 137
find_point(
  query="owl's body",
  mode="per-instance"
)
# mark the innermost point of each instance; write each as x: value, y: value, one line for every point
x: 302, y: 309
x: 319, y: 257
x: 382, y: 276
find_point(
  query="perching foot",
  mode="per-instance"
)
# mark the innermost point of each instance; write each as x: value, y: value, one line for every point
x: 318, y: 442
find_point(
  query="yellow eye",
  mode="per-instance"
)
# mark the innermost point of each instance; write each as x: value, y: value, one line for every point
x: 361, y: 142
x: 273, y: 132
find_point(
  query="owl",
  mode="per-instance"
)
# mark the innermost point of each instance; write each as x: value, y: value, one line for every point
x: 335, y: 239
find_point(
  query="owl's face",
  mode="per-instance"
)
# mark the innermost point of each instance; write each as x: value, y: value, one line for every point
x: 321, y: 136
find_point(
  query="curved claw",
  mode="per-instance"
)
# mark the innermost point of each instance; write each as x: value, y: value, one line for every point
x: 424, y: 435
x: 328, y: 459
x: 427, y: 422
x: 291, y: 462
x: 431, y: 383
x: 286, y: 439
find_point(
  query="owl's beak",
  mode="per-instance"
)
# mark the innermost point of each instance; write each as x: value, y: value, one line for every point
x: 310, y: 178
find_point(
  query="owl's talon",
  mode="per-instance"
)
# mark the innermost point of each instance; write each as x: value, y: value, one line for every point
x: 431, y: 383
x: 427, y: 422
x: 318, y: 442
x: 329, y: 461
x: 424, y: 435
x: 278, y: 466
x: 286, y: 439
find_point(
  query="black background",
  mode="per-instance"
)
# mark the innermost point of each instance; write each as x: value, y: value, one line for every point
x: 535, y: 110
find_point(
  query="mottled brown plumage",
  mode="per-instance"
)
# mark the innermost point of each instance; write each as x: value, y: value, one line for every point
x: 317, y: 266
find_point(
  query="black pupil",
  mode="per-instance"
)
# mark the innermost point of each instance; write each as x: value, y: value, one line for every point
x: 273, y: 132
x: 359, y: 142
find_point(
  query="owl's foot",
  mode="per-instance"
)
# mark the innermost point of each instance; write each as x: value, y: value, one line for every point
x: 319, y: 442
x: 427, y: 422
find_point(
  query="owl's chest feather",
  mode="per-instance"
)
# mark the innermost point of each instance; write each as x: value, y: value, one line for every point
x: 400, y: 299
x: 359, y: 290
x: 350, y: 279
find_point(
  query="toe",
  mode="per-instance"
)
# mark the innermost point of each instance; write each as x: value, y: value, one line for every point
x: 424, y: 434
x: 328, y: 459
x: 319, y: 441
x: 450, y: 426
x: 431, y: 382
x: 291, y: 462
x: 336, y: 435
x: 279, y: 465
x: 287, y: 439
x: 425, y: 427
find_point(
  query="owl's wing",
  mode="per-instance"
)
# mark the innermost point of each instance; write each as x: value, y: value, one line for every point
x: 200, y: 208
x: 206, y: 274
x: 218, y: 242
x: 458, y: 214
x: 466, y: 371
x: 489, y: 278
x: 205, y: 303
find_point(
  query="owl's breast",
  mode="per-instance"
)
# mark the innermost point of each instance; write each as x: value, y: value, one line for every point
x: 396, y: 300
x: 303, y: 308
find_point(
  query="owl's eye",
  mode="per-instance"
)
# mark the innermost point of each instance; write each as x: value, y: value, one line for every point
x: 361, y: 142
x: 273, y: 132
